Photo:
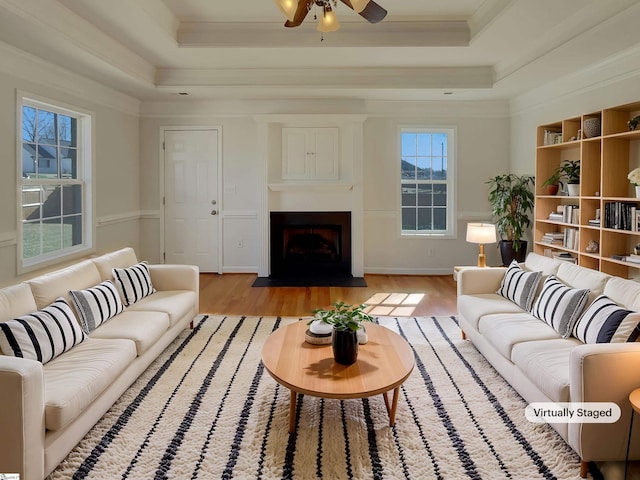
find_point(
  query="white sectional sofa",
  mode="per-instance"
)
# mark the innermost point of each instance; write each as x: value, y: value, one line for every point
x: 46, y: 408
x: 545, y: 366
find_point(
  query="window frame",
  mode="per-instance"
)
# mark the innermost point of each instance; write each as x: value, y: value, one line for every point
x: 84, y: 166
x: 451, y: 218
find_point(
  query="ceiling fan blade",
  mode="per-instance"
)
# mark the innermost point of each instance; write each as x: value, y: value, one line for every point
x: 301, y: 13
x: 373, y: 12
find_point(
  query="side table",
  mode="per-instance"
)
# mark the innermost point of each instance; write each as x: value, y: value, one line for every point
x: 634, y: 399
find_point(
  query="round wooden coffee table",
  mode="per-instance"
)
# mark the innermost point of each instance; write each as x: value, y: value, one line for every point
x: 383, y: 364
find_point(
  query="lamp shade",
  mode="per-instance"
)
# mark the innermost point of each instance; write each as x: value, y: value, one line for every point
x: 328, y: 21
x: 288, y: 8
x: 481, y: 233
x: 359, y: 5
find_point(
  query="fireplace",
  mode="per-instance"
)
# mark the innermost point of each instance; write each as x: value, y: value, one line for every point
x: 310, y: 244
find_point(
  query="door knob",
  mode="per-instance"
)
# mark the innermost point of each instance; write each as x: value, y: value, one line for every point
x: 213, y: 202
x: 214, y: 212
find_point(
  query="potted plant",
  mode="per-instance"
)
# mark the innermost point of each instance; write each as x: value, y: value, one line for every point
x: 552, y: 183
x: 511, y: 199
x: 570, y: 170
x: 346, y: 321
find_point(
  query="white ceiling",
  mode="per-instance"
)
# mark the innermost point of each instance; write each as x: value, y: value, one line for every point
x: 423, y: 49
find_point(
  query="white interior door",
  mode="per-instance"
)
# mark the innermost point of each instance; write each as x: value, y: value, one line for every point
x: 191, y: 222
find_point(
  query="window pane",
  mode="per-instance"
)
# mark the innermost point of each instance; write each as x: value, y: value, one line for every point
x: 30, y: 202
x: 69, y: 162
x: 68, y: 131
x: 409, y: 144
x: 28, y: 160
x: 440, y: 195
x: 72, y: 199
x: 51, y: 235
x: 409, y: 194
x: 47, y: 162
x: 439, y: 144
x: 30, y: 239
x: 72, y: 231
x: 46, y: 125
x: 438, y: 169
x: 425, y: 195
x: 408, y: 219
x: 424, y: 219
x: 439, y: 218
x: 52, y: 205
x: 28, y: 124
x: 424, y: 168
x: 424, y: 144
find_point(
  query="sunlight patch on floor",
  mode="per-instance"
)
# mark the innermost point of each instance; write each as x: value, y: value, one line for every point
x: 393, y: 304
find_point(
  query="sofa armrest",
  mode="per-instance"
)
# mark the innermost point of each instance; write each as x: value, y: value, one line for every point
x: 480, y: 280
x: 22, y: 425
x: 604, y: 372
x: 175, y: 277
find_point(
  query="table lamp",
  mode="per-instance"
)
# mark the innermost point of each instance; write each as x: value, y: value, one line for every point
x: 481, y: 233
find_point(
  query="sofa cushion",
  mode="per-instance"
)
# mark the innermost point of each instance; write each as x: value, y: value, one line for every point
x: 519, y: 286
x: 76, y: 379
x: 546, y: 364
x: 97, y: 305
x: 625, y: 293
x: 46, y: 288
x: 539, y: 263
x: 175, y: 303
x: 606, y: 322
x: 122, y: 258
x: 143, y: 328
x: 506, y: 330
x: 134, y: 282
x: 15, y: 301
x: 42, y: 335
x: 473, y: 307
x: 576, y: 276
x: 559, y: 305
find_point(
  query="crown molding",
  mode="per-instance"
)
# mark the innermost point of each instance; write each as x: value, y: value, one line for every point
x: 270, y: 34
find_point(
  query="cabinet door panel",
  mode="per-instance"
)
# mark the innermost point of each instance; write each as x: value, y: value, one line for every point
x: 294, y: 154
x: 326, y: 154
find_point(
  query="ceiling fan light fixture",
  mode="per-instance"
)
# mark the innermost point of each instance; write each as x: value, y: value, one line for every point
x: 328, y: 21
x: 359, y: 5
x: 288, y: 8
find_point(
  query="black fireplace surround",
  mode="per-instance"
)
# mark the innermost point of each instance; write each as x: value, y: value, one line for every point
x: 310, y: 244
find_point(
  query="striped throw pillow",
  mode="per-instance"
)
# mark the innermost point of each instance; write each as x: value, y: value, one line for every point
x: 134, y: 283
x: 42, y: 335
x: 606, y: 322
x: 96, y: 305
x: 559, y: 305
x: 519, y: 286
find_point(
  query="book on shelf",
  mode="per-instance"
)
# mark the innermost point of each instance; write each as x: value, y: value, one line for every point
x: 622, y: 216
x: 564, y: 256
x: 566, y: 214
x: 552, y: 137
x: 594, y: 222
x: 555, y: 238
x: 571, y: 238
x: 632, y: 258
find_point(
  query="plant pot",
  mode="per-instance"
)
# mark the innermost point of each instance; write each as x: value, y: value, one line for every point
x: 345, y: 346
x: 637, y: 191
x: 508, y: 254
x: 551, y: 189
x: 573, y: 189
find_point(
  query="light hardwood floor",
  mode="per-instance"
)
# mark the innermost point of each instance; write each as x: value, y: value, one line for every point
x: 396, y: 295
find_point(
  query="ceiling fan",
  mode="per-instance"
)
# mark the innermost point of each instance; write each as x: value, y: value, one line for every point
x: 297, y: 10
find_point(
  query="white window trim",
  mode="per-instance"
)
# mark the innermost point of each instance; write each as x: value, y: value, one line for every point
x: 86, y: 157
x: 452, y: 136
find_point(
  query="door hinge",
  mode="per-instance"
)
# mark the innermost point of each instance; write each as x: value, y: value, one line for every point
x: 163, y: 147
x: 164, y: 257
x: 164, y: 201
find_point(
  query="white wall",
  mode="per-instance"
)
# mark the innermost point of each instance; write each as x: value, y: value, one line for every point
x: 482, y: 146
x: 116, y: 169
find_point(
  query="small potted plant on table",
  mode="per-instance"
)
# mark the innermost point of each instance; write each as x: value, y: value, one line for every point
x: 346, y: 323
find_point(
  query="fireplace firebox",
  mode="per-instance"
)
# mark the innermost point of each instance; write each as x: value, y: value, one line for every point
x: 310, y: 244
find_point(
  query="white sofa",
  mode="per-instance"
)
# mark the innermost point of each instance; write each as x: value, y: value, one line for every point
x: 544, y: 367
x: 45, y: 410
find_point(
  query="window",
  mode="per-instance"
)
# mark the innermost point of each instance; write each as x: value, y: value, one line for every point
x: 55, y: 165
x: 427, y: 181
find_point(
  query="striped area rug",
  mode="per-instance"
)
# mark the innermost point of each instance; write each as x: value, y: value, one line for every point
x: 208, y: 409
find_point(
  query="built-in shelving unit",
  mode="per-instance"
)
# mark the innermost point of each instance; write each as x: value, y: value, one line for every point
x: 606, y: 158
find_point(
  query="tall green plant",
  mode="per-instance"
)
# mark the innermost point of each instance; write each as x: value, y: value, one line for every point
x: 511, y: 198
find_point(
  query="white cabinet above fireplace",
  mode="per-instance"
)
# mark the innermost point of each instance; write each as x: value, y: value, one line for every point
x: 310, y: 153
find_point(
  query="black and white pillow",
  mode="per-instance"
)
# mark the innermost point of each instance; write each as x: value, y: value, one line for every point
x: 134, y: 283
x: 559, y: 305
x: 42, y: 335
x: 519, y: 286
x: 606, y: 322
x: 96, y: 305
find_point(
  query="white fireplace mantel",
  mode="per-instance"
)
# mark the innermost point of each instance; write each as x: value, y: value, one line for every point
x: 345, y: 193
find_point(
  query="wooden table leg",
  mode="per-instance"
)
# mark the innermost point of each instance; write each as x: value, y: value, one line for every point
x: 391, y: 409
x: 292, y: 412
